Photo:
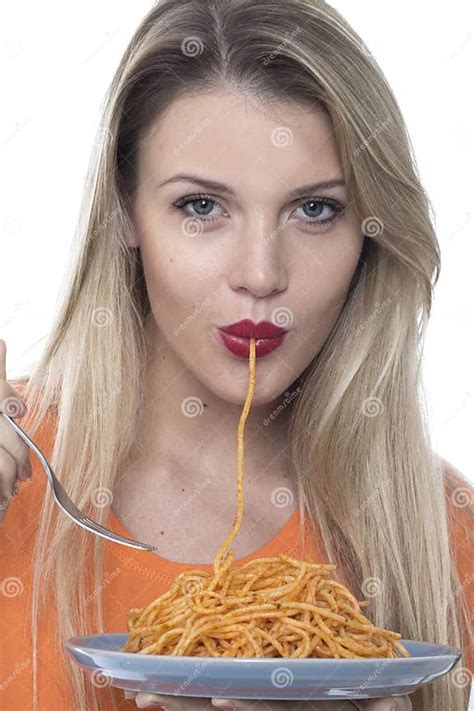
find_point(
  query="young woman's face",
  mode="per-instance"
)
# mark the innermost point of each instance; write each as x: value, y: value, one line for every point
x: 263, y: 248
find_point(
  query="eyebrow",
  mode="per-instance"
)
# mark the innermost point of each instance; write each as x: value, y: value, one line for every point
x: 215, y: 185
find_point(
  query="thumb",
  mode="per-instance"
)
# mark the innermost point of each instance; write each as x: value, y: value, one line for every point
x: 386, y: 704
x: 143, y: 700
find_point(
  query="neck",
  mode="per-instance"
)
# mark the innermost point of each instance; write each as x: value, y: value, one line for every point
x: 187, y: 424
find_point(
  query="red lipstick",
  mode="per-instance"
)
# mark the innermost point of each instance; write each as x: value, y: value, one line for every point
x: 236, y: 337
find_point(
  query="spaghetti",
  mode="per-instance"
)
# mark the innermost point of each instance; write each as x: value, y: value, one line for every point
x: 268, y: 607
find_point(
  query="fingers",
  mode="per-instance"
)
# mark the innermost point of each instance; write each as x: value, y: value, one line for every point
x: 14, y: 459
x: 171, y: 703
x: 402, y: 703
x: 10, y: 401
x: 396, y: 703
x: 14, y: 452
x: 183, y: 703
x: 15, y: 446
x: 144, y: 701
x: 8, y: 483
x: 276, y: 705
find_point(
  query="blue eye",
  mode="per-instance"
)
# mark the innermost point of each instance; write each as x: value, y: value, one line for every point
x: 202, y: 205
x: 197, y: 203
x: 317, y: 208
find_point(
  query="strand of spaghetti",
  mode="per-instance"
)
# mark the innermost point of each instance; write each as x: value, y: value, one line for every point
x: 266, y: 607
x: 240, y: 461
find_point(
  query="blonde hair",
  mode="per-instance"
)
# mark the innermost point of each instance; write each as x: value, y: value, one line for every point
x: 363, y: 464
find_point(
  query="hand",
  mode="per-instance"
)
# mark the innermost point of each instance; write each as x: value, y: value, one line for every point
x: 188, y: 703
x: 14, y: 462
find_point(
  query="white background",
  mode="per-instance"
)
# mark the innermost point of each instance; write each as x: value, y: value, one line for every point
x: 58, y: 59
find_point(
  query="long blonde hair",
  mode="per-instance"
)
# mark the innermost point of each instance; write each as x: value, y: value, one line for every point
x: 362, y: 461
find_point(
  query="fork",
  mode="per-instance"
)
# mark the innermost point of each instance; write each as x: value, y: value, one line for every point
x: 65, y: 502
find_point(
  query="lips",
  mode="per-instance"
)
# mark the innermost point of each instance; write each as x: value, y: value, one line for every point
x: 249, y: 329
x: 236, y: 337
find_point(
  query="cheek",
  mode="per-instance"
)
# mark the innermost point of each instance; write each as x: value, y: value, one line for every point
x: 173, y: 267
x: 325, y: 281
x: 177, y: 296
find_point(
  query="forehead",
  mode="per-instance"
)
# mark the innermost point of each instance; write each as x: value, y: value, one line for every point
x: 241, y: 143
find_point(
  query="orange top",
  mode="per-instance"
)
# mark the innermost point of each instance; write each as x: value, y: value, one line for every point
x: 132, y: 578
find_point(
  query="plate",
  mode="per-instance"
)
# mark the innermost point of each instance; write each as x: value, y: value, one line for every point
x: 260, y: 677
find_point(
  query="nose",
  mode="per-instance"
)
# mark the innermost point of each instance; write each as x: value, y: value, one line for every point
x: 259, y: 263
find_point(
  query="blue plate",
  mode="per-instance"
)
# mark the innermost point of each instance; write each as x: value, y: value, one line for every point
x: 260, y: 678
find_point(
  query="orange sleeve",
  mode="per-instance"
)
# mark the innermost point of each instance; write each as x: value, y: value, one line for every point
x: 460, y: 504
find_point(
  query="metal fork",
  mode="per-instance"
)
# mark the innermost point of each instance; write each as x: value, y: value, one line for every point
x: 65, y: 502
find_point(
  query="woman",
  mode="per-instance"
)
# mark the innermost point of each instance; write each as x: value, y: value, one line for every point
x: 300, y: 206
